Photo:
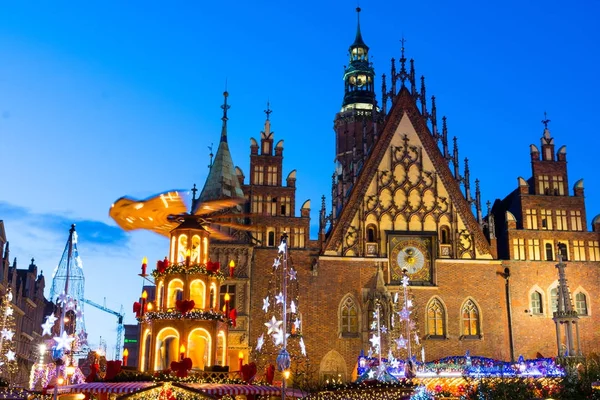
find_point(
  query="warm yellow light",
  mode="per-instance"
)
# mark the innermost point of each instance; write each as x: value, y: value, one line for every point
x: 42, y: 348
x: 149, y: 307
x: 126, y: 353
x: 70, y: 370
x: 144, y: 295
x: 182, y: 349
x: 80, y: 396
x: 145, y: 260
x: 188, y: 253
x: 241, y: 355
x: 224, y: 308
x: 60, y: 380
x: 231, y: 264
x: 227, y: 297
x: 66, y: 319
x: 286, y: 374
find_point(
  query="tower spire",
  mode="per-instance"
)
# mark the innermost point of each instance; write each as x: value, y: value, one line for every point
x: 358, y: 40
x: 225, y: 107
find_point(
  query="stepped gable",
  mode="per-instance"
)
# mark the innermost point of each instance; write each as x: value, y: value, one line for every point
x: 405, y: 104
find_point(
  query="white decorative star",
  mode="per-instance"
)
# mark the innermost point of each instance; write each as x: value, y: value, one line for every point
x: 282, y: 247
x: 71, y: 305
x: 62, y: 298
x: 279, y: 298
x: 375, y: 314
x: 375, y: 340
x: 278, y: 336
x: 297, y: 324
x: 404, y: 314
x: 302, y: 347
x: 47, y: 327
x: 293, y: 274
x: 293, y: 306
x: 371, y: 374
x: 405, y: 281
x: 7, y: 334
x: 79, y: 314
x: 266, y: 304
x: 51, y: 318
x: 401, y: 342
x: 10, y: 355
x: 409, y: 303
x: 8, y: 311
x: 276, y: 263
x: 394, y: 363
x: 64, y: 341
x: 273, y: 325
x: 260, y: 342
x: 373, y: 325
x: 383, y: 329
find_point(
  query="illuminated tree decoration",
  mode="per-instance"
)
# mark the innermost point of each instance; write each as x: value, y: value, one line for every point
x: 281, y: 344
x: 8, y: 356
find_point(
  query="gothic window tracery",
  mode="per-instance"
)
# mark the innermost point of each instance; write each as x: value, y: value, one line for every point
x: 436, y: 319
x: 581, y: 304
x: 536, y: 303
x: 348, y: 317
x: 470, y: 318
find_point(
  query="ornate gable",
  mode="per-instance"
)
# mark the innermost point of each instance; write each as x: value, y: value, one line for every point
x: 406, y: 187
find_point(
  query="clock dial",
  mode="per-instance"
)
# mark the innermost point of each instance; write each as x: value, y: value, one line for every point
x: 411, y: 254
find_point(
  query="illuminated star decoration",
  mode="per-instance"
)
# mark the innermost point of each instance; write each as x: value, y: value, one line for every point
x: 405, y: 281
x: 260, y: 342
x: 79, y: 314
x: 47, y: 327
x: 279, y: 298
x: 82, y: 337
x: 371, y: 374
x: 63, y: 342
x: 273, y: 325
x: 51, y: 318
x: 8, y: 311
x: 409, y: 303
x: 293, y: 306
x: 297, y: 324
x: 383, y: 329
x: 266, y: 304
x: 302, y: 346
x: 401, y: 342
x: 62, y: 298
x: 375, y: 340
x: 282, y: 247
x: 10, y: 355
x: 293, y: 274
x: 7, y: 334
x: 278, y: 336
x: 71, y: 305
x: 373, y: 325
x: 404, y: 314
x: 276, y: 263
x: 394, y: 363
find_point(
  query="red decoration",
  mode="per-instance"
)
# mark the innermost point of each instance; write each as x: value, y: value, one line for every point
x: 213, y: 266
x: 93, y: 376
x: 185, y: 306
x: 161, y: 266
x: 182, y: 367
x: 112, y: 369
x: 233, y: 316
x: 137, y: 308
x: 270, y: 374
x: 249, y: 372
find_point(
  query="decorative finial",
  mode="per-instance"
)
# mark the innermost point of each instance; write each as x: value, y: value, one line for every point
x: 268, y: 111
x: 225, y: 107
x: 402, y: 41
x: 545, y: 120
x: 210, y: 155
x: 194, y: 190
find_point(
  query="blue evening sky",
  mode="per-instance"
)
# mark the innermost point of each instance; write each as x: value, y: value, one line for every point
x: 104, y: 99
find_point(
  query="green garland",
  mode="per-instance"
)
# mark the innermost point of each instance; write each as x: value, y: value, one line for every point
x: 182, y: 268
x: 210, y: 315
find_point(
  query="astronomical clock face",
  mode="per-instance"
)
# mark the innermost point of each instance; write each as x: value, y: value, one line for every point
x: 413, y: 254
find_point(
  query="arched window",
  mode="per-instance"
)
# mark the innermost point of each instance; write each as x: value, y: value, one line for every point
x: 554, y: 299
x: 549, y: 255
x: 581, y: 303
x: 436, y: 319
x: 536, y: 303
x: 348, y: 317
x: 444, y: 235
x: 470, y: 319
x: 371, y: 233
x: 562, y: 250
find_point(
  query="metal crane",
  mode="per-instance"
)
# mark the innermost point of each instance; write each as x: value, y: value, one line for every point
x: 120, y: 328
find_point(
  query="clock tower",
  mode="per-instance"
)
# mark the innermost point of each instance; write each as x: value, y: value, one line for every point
x: 356, y: 123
